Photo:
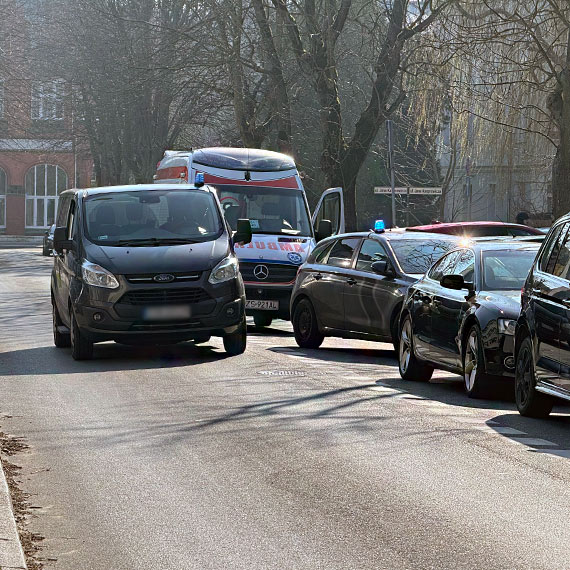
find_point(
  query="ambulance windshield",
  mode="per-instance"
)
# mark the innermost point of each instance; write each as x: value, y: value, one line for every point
x: 270, y: 210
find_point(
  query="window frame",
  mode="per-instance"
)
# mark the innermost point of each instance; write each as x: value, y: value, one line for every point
x: 46, y: 94
x: 379, y: 243
x: 548, y: 249
x: 351, y: 263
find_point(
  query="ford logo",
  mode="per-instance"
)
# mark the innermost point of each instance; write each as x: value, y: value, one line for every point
x: 163, y: 278
x: 295, y: 258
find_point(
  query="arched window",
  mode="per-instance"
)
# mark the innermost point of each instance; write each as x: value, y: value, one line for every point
x: 3, y: 189
x: 44, y: 182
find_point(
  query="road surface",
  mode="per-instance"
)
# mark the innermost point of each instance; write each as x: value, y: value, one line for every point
x: 183, y: 458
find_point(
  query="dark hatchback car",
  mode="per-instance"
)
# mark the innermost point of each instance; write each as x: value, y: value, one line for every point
x: 461, y: 316
x: 542, y: 342
x: 152, y: 264
x: 353, y: 285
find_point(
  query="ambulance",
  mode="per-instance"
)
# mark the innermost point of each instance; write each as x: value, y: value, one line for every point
x: 265, y: 188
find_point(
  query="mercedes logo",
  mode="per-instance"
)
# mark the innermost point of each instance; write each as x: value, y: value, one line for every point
x: 163, y: 278
x: 261, y: 272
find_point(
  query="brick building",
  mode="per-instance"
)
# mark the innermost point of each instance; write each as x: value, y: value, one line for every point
x: 39, y: 151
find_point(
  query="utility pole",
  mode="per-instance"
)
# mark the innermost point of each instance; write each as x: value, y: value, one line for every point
x: 468, y: 188
x: 390, y: 138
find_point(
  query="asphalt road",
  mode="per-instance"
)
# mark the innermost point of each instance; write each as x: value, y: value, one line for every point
x: 182, y: 458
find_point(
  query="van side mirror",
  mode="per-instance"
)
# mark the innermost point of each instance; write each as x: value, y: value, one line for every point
x: 455, y: 282
x: 60, y: 241
x: 383, y: 268
x: 324, y: 230
x: 243, y: 232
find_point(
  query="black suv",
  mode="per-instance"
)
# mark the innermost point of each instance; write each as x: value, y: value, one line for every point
x: 542, y: 338
x: 143, y: 263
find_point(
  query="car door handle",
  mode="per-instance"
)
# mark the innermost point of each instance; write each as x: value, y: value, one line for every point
x: 318, y: 276
x: 351, y: 281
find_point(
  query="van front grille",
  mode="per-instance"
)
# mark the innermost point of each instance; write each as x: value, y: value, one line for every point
x: 274, y: 272
x: 184, y: 296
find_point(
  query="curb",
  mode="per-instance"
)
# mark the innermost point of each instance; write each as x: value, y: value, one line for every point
x: 11, y: 551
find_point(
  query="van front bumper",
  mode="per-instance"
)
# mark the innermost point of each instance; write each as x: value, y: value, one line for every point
x: 106, y: 316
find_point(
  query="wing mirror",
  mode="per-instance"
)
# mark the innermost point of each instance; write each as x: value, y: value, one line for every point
x: 455, y: 282
x: 60, y: 241
x: 324, y: 230
x: 243, y: 233
x: 383, y: 268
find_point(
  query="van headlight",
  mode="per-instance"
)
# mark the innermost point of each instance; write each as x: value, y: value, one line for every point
x: 507, y: 326
x: 98, y: 276
x: 225, y: 270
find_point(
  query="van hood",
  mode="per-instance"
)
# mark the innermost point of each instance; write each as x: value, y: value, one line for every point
x: 159, y: 259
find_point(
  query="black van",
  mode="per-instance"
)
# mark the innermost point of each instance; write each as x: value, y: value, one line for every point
x: 146, y: 264
x: 542, y: 338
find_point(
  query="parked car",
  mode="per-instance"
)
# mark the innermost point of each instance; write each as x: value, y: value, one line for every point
x: 352, y: 286
x: 461, y: 315
x: 146, y: 263
x: 47, y: 246
x: 542, y: 342
x: 478, y: 229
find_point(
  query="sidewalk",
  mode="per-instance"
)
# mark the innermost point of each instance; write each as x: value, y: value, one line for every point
x: 11, y: 553
x: 9, y: 242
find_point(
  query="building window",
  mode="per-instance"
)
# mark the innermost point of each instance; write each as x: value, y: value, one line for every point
x: 47, y: 100
x: 3, y: 189
x: 44, y: 182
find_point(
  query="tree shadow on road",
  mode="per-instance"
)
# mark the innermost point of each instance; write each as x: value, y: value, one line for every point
x: 341, y: 355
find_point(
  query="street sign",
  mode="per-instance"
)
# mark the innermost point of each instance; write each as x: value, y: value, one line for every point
x: 388, y: 190
x: 432, y: 191
x: 412, y: 190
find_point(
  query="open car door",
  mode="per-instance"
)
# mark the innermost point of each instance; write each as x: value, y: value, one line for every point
x: 330, y: 207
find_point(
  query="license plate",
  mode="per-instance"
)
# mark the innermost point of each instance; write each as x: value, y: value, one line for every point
x: 167, y: 313
x: 262, y: 305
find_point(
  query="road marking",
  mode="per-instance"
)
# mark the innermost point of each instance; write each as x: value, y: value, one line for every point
x: 503, y: 430
x: 533, y: 441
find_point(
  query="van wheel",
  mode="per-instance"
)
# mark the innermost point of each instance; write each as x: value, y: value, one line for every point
x: 236, y: 342
x: 410, y: 367
x: 262, y: 320
x: 81, y: 344
x: 529, y: 402
x: 60, y: 339
x: 477, y: 383
x: 305, y: 325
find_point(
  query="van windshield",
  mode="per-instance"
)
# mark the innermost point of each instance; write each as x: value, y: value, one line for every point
x: 270, y: 210
x: 151, y: 217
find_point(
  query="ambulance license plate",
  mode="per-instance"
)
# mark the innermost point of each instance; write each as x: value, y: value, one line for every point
x: 262, y: 305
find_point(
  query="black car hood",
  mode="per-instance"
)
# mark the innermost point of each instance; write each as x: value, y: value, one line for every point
x: 507, y: 301
x: 159, y: 259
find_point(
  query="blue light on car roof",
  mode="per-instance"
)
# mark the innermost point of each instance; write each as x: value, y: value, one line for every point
x: 199, y: 179
x: 379, y: 226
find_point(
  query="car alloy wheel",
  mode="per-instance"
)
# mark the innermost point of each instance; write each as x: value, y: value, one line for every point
x: 471, y: 360
x: 524, y: 377
x: 305, y: 326
x: 405, y: 347
x: 530, y: 402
